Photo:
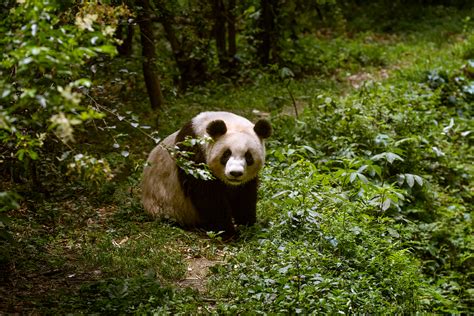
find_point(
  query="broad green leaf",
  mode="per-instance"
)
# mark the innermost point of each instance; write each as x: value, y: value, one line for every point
x: 107, y: 49
x: 362, y: 168
x: 391, y: 157
x: 419, y: 180
x: 353, y: 177
x: 20, y: 154
x: 386, y: 204
x: 362, y: 178
x: 33, y: 154
x: 28, y: 93
x: 310, y: 149
x: 438, y: 151
x: 286, y: 72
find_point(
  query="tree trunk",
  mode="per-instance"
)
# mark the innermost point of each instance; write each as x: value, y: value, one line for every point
x: 150, y: 72
x: 231, y: 32
x: 220, y: 31
x: 268, y: 48
x: 125, y: 49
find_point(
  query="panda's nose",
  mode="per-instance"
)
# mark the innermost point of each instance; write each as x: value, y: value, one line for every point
x: 236, y: 173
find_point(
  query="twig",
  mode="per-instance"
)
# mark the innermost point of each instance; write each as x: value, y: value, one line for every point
x: 292, y: 98
x: 102, y: 107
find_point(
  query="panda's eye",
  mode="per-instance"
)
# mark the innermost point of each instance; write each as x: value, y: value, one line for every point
x: 249, y: 158
x: 225, y: 156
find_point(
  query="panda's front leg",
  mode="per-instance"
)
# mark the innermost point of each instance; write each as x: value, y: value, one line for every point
x: 219, y: 219
x: 213, y: 207
x: 243, y: 200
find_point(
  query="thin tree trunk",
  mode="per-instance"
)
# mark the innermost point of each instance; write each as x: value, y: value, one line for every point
x: 150, y: 72
x: 125, y: 49
x: 170, y: 35
x: 268, y: 48
x: 266, y: 22
x: 220, y: 31
x: 231, y: 37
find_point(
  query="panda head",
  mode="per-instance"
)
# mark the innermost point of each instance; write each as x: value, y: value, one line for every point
x: 238, y: 152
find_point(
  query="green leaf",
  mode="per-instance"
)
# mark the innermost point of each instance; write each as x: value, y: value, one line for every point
x: 107, y: 49
x: 386, y: 204
x: 391, y: 157
x: 362, y: 177
x: 33, y: 154
x: 250, y: 10
x: 378, y: 157
x: 310, y: 149
x: 353, y: 177
x: 286, y: 72
x: 285, y: 269
x: 362, y: 168
x: 28, y: 93
x: 20, y: 154
x: 419, y: 180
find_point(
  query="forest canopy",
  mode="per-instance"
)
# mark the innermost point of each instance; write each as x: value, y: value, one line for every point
x: 365, y: 202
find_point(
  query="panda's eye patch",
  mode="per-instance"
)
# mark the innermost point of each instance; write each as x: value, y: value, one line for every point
x: 249, y: 158
x: 225, y: 156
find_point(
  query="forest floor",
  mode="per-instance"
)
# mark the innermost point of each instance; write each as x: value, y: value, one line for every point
x: 83, y: 250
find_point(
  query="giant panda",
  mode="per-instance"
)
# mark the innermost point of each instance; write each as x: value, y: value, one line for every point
x: 234, y: 155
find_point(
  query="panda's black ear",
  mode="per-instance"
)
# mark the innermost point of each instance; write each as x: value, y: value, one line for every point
x: 216, y: 128
x: 263, y: 128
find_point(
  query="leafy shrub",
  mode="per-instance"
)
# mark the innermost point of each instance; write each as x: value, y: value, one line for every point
x: 355, y: 217
x: 329, y: 250
x: 43, y: 81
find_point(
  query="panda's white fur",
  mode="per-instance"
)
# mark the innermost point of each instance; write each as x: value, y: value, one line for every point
x: 241, y: 137
x: 163, y: 188
x: 162, y: 195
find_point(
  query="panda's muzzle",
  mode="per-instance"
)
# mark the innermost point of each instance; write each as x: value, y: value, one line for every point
x: 235, y: 170
x: 235, y: 177
x: 236, y: 174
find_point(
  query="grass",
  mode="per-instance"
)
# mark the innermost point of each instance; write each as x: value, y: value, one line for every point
x: 341, y: 227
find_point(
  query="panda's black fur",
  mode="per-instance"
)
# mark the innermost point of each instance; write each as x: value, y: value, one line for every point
x: 215, y: 204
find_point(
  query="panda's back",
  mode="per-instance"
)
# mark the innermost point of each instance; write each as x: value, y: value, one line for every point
x: 162, y: 194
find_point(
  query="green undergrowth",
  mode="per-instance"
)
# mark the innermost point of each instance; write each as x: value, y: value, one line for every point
x: 375, y: 220
x: 366, y: 202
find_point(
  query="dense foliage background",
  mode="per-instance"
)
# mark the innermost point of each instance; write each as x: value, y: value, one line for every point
x: 365, y: 201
